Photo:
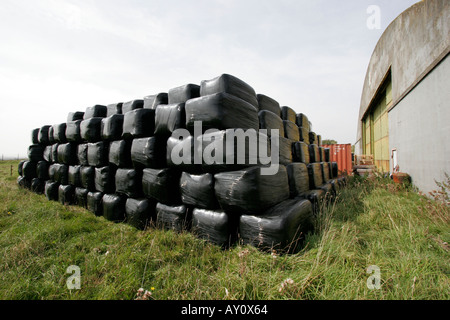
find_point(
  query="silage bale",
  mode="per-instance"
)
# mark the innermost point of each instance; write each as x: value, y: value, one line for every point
x: 37, y: 186
x: 95, y: 111
x: 113, y: 108
x: 327, y: 154
x: 20, y: 167
x: 169, y: 117
x: 176, y: 218
x: 114, y: 207
x: 314, y: 155
x: 288, y: 114
x: 47, y: 155
x: 129, y: 182
x: 198, y: 191
x: 51, y: 136
x: 74, y: 175
x: 35, y: 153
x: 67, y: 153
x: 298, y: 178
x: 313, y: 138
x: 181, y: 94
x: 325, y: 171
x: 268, y: 103
x: 149, y: 152
x: 270, y: 121
x: 291, y: 130
x: 75, y: 116
x: 66, y: 194
x: 98, y: 153
x: 303, y: 122
x: 140, y: 212
x: 214, y: 226
x: 335, y: 169
x: 315, y: 175
x: 303, y: 134
x: 91, y: 129
x: 73, y: 133
x: 138, y: 123
x: 285, y: 150
x: 35, y: 136
x: 281, y: 227
x: 82, y: 154
x: 29, y: 170
x: 120, y: 153
x: 321, y: 153
x: 23, y: 182
x: 87, y: 175
x: 42, y: 170
x: 181, y: 145
x: 162, y: 185
x: 94, y: 202
x: 104, y: 179
x: 59, y: 132
x: 43, y: 135
x: 300, y: 152
x: 81, y: 197
x: 112, y: 127
x: 154, y: 100
x: 132, y: 105
x: 51, y: 190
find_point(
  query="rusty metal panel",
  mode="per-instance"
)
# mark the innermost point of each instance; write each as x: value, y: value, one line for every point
x: 342, y: 154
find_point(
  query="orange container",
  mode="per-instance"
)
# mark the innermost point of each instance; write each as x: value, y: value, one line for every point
x: 342, y: 154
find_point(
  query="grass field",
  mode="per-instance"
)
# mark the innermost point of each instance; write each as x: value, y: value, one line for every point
x: 374, y: 222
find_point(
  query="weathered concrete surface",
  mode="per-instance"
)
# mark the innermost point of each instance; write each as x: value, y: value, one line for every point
x: 410, y: 44
x: 419, y: 127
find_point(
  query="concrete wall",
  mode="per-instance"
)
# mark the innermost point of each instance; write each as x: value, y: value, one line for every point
x: 419, y: 127
x: 409, y: 46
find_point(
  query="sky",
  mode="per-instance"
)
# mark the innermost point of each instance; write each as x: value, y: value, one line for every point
x: 60, y: 56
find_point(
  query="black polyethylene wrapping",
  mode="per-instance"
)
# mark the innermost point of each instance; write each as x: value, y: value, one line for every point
x: 129, y: 182
x: 35, y: 153
x: 120, y: 153
x: 291, y: 130
x: 213, y: 226
x: 176, y: 148
x: 24, y: 182
x: 35, y: 136
x: 51, y: 190
x: 176, y: 218
x: 303, y: 134
x: 59, y: 132
x: 280, y: 228
x: 37, y: 186
x: 73, y: 133
x: 82, y: 154
x: 74, y: 116
x: 162, y: 185
x: 315, y: 175
x: 98, y: 154
x: 112, y: 127
x: 66, y: 194
x: 140, y: 212
x: 138, y: 123
x: 300, y: 152
x: 334, y: 170
x: 61, y: 173
x: 198, y: 191
x: 321, y: 154
x: 81, y: 197
x: 51, y: 137
x: 314, y: 155
x: 94, y: 203
x: 132, y: 105
x: 114, y: 207
x: 248, y: 191
x: 288, y: 114
x: 87, y: 175
x: 270, y: 121
x: 231, y: 85
x: 183, y: 93
x: 42, y: 170
x: 268, y: 103
x: 169, y: 117
x: 327, y: 154
x: 74, y: 175
x: 313, y: 138
x: 285, y: 150
x: 114, y: 108
x: 221, y: 111
x: 67, y: 153
x: 149, y: 152
x: 91, y: 129
x: 95, y: 111
x: 48, y: 155
x: 325, y: 171
x: 153, y: 101
x: 302, y: 121
x: 105, y: 179
x: 29, y: 170
x: 298, y: 179
x: 20, y: 167
x: 43, y: 135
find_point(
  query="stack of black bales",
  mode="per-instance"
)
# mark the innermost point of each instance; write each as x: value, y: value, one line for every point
x: 122, y: 161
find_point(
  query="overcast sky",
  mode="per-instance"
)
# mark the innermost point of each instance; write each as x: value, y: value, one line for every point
x: 58, y: 56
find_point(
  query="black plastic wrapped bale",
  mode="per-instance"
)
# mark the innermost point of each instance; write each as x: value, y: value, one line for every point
x: 74, y: 176
x: 314, y: 155
x: 20, y: 167
x: 52, y: 171
x: 334, y: 169
x: 91, y: 129
x: 325, y: 171
x: 300, y: 152
x: 114, y: 207
x: 317, y: 198
x: 232, y: 149
x: 313, y: 138
x: 298, y: 179
x: 94, y: 203
x: 29, y: 170
x: 291, y: 130
x: 285, y: 150
x: 149, y: 152
x: 335, y: 186
x: 42, y: 170
x: 288, y: 114
x: 98, y: 154
x: 129, y: 182
x: 231, y: 85
x: 81, y: 197
x: 198, y: 191
x: 105, y: 179
x: 62, y: 174
x: 24, y: 183
x: 154, y: 100
x: 82, y: 154
x: 268, y: 103
x: 303, y: 134
x: 281, y: 228
x: 73, y: 133
x: 169, y: 117
x: 176, y: 218
x: 140, y: 212
x: 322, y: 153
x: 37, y: 186
x: 138, y: 123
x: 67, y: 153
x: 214, y: 226
x: 35, y: 153
x: 221, y: 111
x: 183, y: 93
x: 315, y: 175
x: 51, y: 137
x: 51, y: 190
x: 59, y: 132
x: 120, y: 153
x: 249, y: 191
x: 327, y: 154
x: 74, y: 116
x: 47, y: 155
x: 303, y: 122
x: 87, y: 174
x: 132, y: 105
x: 329, y: 191
x: 66, y: 194
x: 113, y: 108
x: 35, y: 136
x: 180, y: 154
x: 112, y: 127
x: 162, y: 185
x: 43, y: 135
x: 270, y: 121
x: 95, y: 111
x: 319, y: 139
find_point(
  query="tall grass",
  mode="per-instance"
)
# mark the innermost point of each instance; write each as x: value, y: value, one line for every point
x: 372, y: 222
